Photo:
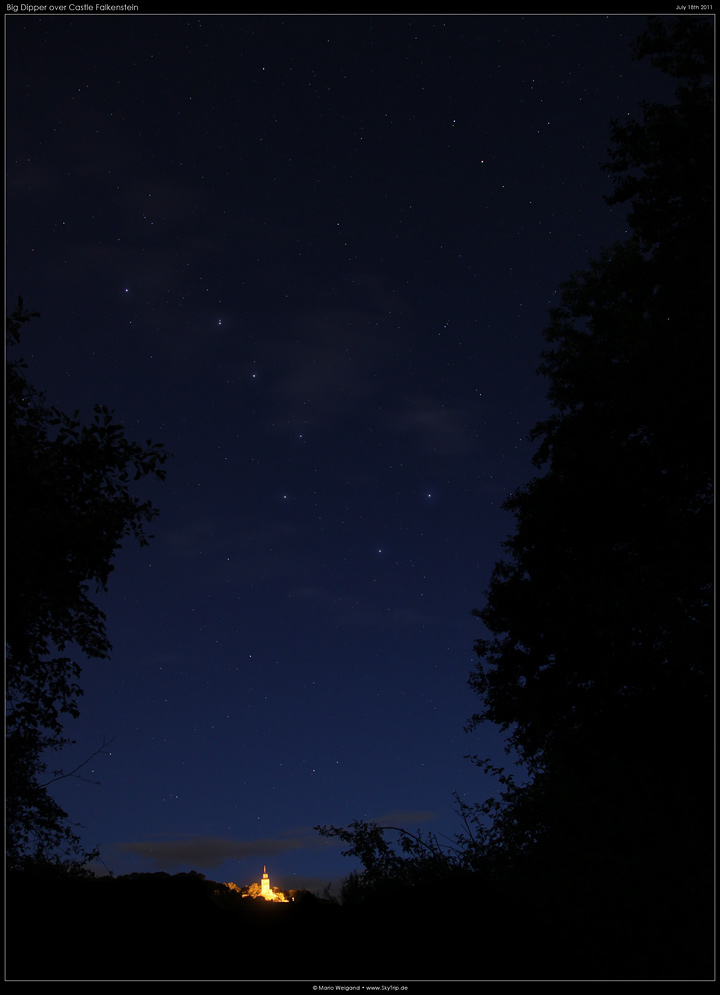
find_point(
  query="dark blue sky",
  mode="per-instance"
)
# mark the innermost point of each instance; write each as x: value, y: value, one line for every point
x: 314, y: 257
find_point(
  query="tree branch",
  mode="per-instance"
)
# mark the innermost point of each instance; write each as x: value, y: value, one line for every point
x: 61, y: 775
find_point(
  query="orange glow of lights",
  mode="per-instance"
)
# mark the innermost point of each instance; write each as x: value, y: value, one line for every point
x: 262, y: 890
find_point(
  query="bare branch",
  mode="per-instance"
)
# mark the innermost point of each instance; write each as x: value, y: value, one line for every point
x: 61, y: 775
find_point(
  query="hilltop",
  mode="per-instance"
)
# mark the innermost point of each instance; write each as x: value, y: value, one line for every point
x: 182, y: 927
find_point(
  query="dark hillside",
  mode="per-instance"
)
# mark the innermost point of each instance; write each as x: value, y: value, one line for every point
x: 182, y: 927
x: 157, y: 926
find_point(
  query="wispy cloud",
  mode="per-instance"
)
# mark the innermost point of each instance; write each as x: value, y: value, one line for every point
x: 404, y: 818
x: 435, y: 428
x: 207, y: 852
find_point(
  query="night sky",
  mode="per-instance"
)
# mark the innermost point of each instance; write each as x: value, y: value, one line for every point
x: 314, y: 257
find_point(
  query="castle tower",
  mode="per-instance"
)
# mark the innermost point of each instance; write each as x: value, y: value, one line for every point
x: 265, y: 886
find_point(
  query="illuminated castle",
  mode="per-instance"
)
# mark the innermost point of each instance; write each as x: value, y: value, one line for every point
x: 265, y: 891
x: 262, y: 890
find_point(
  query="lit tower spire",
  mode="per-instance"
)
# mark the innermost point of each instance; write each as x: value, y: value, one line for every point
x: 265, y: 885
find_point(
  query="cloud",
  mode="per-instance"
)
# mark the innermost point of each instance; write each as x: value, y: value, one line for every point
x: 436, y: 428
x: 355, y: 610
x: 403, y: 818
x: 334, y: 349
x: 325, y: 367
x: 406, y: 819
x: 206, y: 852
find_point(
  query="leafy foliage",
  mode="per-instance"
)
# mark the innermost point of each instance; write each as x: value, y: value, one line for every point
x: 604, y: 600
x: 69, y: 507
x: 412, y: 859
x: 598, y: 658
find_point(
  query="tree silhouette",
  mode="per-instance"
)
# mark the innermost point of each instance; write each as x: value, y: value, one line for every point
x: 605, y: 596
x: 600, y: 655
x: 69, y: 507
